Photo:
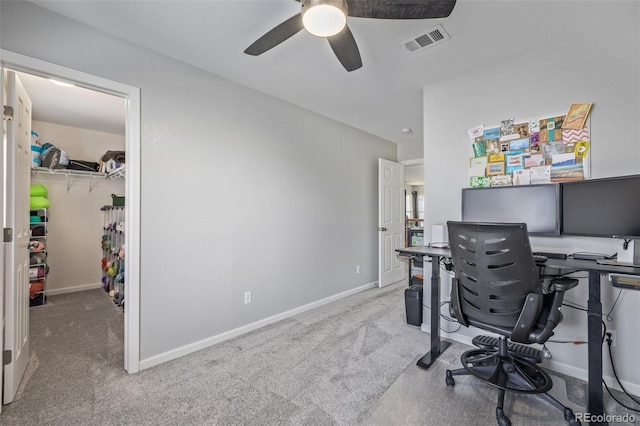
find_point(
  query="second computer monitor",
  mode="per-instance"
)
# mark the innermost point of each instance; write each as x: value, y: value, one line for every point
x: 536, y: 205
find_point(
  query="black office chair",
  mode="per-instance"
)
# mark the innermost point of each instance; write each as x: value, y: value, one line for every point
x: 497, y: 288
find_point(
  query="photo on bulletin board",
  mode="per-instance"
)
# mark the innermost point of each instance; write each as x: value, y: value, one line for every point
x: 522, y: 129
x: 494, y: 169
x: 492, y: 146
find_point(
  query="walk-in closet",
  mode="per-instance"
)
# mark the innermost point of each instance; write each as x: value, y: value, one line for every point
x: 77, y: 220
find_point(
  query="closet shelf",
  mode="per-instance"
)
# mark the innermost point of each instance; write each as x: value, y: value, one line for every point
x: 66, y: 172
x: 114, y: 174
x: 120, y: 172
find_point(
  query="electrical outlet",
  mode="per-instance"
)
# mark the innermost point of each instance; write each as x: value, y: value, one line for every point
x: 357, y: 269
x: 614, y: 338
x: 247, y: 297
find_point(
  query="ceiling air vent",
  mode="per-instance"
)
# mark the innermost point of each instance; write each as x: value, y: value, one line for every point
x: 429, y: 38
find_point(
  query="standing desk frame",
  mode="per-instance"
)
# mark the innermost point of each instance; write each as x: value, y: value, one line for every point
x: 595, y: 396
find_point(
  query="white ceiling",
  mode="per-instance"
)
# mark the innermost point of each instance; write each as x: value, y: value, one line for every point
x: 382, y: 97
x: 74, y: 106
x: 414, y: 174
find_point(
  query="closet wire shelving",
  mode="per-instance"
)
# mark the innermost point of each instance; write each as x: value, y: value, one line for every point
x: 113, y: 240
x: 38, y: 266
x: 118, y: 173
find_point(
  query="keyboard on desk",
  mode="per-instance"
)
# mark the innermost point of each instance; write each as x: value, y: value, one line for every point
x: 539, y: 258
x: 551, y: 254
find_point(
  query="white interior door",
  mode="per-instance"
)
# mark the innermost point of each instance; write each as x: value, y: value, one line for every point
x: 390, y: 221
x: 16, y: 217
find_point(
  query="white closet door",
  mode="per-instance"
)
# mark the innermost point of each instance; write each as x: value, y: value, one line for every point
x: 16, y: 298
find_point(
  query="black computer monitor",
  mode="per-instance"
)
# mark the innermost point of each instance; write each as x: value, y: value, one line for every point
x: 536, y: 205
x: 607, y: 207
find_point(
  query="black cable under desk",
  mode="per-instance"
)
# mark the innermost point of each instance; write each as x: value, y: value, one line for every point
x: 595, y: 397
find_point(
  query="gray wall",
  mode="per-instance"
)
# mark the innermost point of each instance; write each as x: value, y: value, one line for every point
x: 603, y: 68
x: 240, y: 191
x: 410, y: 150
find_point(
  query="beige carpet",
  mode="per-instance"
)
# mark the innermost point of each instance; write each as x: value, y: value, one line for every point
x: 421, y: 397
x: 351, y: 362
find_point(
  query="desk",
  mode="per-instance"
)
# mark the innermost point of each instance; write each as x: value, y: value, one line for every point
x: 595, y: 397
x: 419, y: 252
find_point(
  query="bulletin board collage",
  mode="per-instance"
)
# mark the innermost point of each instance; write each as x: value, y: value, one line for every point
x: 536, y: 151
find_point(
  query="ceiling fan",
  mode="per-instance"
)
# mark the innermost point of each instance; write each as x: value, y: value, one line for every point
x: 328, y: 18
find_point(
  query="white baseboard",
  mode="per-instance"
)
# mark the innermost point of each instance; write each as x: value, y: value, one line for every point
x: 210, y: 341
x: 73, y: 289
x: 583, y: 374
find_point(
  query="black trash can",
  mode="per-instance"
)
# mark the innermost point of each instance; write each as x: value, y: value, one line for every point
x: 413, y: 304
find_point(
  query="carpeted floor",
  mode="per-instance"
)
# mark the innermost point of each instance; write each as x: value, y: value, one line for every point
x: 350, y: 362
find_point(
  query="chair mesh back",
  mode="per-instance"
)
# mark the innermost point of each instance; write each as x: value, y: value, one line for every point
x: 495, y: 269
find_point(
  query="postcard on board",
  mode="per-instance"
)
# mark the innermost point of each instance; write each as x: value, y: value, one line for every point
x: 494, y: 169
x: 577, y: 115
x: 551, y: 128
x: 476, y: 132
x: 533, y: 160
x: 540, y: 174
x: 507, y: 127
x: 492, y: 133
x: 479, y: 149
x: 519, y: 144
x: 522, y: 177
x: 500, y: 180
x: 514, y: 162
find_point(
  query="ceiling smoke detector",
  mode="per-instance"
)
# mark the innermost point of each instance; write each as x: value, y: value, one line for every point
x: 426, y: 39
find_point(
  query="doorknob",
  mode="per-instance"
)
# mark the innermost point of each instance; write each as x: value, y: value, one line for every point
x: 382, y: 228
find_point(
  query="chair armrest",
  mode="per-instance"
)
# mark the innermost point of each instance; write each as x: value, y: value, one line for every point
x: 562, y: 284
x: 527, y: 319
x: 551, y: 305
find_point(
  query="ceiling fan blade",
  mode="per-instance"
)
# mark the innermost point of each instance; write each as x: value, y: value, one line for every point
x: 346, y: 49
x: 276, y: 36
x: 400, y: 9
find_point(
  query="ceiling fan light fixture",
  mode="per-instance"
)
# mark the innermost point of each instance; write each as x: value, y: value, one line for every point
x: 324, y: 18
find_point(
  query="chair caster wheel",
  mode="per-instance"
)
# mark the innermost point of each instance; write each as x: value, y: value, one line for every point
x: 502, y: 419
x: 449, y: 380
x: 571, y: 418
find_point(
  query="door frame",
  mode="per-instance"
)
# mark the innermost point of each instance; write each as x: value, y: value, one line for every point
x: 131, y: 95
x: 2, y: 224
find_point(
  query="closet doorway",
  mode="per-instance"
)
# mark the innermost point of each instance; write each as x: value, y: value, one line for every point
x: 414, y: 202
x: 130, y: 100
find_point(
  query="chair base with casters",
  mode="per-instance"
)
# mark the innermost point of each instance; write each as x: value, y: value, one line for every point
x: 510, y: 368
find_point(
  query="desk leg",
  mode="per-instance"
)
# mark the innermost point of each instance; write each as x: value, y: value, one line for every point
x: 595, y: 400
x: 437, y: 346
